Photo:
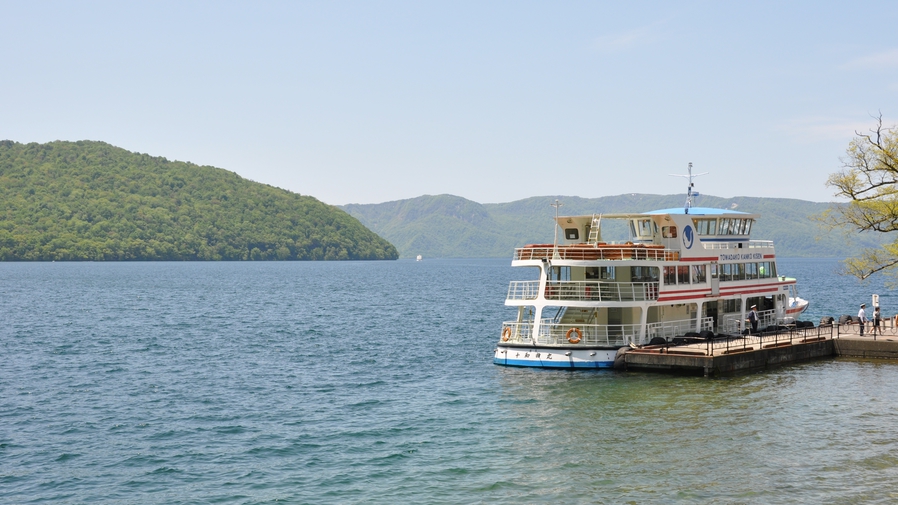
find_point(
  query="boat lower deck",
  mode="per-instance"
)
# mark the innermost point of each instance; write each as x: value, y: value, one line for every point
x: 711, y: 358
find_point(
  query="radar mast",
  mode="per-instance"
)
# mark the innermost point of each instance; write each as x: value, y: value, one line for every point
x: 689, y: 192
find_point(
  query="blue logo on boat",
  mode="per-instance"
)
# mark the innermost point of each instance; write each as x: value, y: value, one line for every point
x: 688, y: 237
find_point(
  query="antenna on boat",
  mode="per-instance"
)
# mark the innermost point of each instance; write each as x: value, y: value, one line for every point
x: 689, y: 192
x: 555, y: 244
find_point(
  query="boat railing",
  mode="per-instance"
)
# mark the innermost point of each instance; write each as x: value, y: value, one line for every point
x: 752, y: 244
x: 780, y: 337
x: 589, y: 334
x: 670, y: 329
x: 517, y: 333
x: 589, y: 252
x: 601, y: 291
x: 554, y: 333
x: 523, y: 290
x: 732, y: 323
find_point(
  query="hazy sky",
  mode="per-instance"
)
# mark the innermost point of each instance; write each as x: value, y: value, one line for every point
x: 373, y: 101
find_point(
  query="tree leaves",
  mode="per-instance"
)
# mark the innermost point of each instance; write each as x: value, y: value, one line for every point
x: 93, y: 201
x: 868, y: 179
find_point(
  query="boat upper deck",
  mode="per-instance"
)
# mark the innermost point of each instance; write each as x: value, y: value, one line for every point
x: 689, y: 234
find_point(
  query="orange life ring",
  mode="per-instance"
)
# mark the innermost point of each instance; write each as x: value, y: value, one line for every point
x: 506, y: 334
x: 577, y: 339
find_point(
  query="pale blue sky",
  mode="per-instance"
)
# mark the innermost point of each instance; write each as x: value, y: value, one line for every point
x: 367, y: 102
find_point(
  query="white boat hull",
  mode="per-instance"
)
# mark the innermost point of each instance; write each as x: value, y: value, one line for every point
x: 547, y: 357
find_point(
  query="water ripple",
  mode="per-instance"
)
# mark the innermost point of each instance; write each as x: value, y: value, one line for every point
x: 373, y: 383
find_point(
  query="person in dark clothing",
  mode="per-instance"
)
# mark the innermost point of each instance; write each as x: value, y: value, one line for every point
x: 753, y: 318
x: 877, y: 320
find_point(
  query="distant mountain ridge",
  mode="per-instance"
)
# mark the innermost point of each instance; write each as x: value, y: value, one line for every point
x: 447, y: 226
x: 90, y: 200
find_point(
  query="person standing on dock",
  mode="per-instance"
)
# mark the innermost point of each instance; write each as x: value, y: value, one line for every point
x: 877, y: 320
x: 753, y: 318
x: 862, y: 318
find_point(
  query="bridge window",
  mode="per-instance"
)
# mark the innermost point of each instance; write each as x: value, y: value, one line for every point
x: 669, y: 231
x: 724, y: 227
x: 735, y: 227
x: 705, y: 226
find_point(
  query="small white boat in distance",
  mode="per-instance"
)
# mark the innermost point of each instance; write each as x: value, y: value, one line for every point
x: 685, y: 273
x: 419, y: 258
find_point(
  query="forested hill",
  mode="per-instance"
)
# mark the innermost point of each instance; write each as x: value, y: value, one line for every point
x: 93, y: 201
x: 450, y: 226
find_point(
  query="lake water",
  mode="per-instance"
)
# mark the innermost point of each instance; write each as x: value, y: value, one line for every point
x: 373, y: 382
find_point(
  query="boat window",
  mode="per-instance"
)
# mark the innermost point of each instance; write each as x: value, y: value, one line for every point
x: 714, y: 270
x: 734, y: 227
x: 724, y: 227
x: 732, y: 306
x: 571, y: 233
x: 748, y: 223
x: 670, y: 276
x: 738, y: 272
x: 683, y: 274
x: 645, y: 228
x: 645, y: 274
x: 669, y: 231
x: 560, y: 274
x: 705, y: 226
x: 698, y: 274
x: 751, y: 270
x: 725, y: 272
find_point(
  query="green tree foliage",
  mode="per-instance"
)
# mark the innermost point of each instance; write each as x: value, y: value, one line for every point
x: 93, y: 201
x: 868, y: 179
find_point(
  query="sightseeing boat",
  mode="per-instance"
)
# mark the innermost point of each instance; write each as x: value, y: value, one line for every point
x: 683, y: 273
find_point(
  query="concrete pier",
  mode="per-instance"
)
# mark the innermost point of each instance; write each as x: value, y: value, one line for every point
x: 736, y: 354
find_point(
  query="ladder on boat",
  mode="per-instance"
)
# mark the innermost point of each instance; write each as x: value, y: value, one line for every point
x: 594, y: 230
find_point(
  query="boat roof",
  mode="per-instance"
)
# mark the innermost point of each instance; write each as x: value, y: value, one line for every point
x: 678, y: 211
x: 700, y: 211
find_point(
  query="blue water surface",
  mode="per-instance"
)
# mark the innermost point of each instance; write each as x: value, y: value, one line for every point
x: 373, y: 382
